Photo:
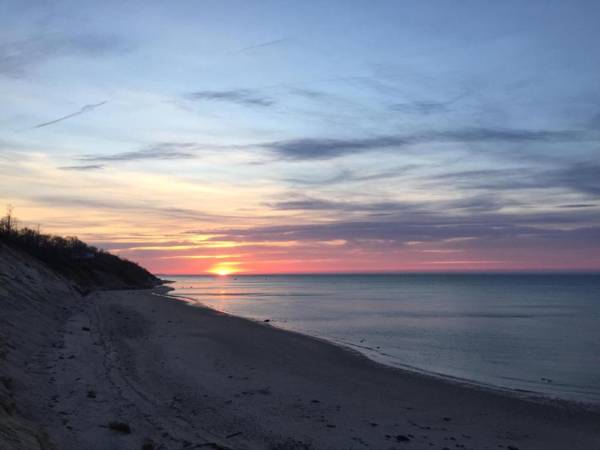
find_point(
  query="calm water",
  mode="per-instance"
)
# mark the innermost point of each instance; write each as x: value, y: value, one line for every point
x: 538, y: 333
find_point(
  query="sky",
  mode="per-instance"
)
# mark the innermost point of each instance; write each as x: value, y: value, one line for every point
x: 316, y: 136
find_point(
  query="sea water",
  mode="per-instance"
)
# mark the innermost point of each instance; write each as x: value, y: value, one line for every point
x: 537, y: 333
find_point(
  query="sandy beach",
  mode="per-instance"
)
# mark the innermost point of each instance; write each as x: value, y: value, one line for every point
x: 170, y: 375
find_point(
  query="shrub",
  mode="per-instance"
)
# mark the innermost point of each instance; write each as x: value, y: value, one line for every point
x: 73, y: 258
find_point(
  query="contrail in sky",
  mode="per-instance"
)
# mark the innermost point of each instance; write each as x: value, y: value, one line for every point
x: 262, y: 44
x: 84, y: 109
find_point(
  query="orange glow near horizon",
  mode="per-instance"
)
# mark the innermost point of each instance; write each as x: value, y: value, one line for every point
x: 225, y: 268
x: 222, y: 272
x: 168, y: 238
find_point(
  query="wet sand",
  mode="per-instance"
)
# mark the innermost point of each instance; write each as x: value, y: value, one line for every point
x: 170, y: 375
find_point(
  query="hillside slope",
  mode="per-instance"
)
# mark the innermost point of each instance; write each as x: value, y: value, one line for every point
x: 35, y: 302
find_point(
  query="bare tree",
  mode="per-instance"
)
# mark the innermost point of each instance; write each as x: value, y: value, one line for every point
x: 9, y: 218
x: 7, y: 222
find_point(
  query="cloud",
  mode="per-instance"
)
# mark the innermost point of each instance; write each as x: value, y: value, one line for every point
x: 421, y: 107
x: 425, y: 107
x: 579, y: 205
x: 477, y: 204
x: 503, y: 135
x: 405, y: 228
x: 346, y: 176
x: 84, y: 109
x: 83, y: 167
x: 309, y: 93
x: 17, y: 57
x: 322, y: 148
x: 473, y: 204
x: 582, y: 177
x: 492, y: 179
x: 117, y: 205
x: 308, y: 203
x: 301, y: 149
x: 245, y: 97
x: 263, y: 45
x: 162, y: 151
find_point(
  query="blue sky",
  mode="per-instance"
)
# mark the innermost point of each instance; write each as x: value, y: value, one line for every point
x: 307, y: 136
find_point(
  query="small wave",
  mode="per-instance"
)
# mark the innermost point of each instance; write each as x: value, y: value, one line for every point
x: 247, y: 294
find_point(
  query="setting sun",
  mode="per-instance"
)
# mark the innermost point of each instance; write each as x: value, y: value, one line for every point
x: 224, y: 269
x: 222, y: 272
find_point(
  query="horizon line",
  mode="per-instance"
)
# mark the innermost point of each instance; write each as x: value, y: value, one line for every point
x: 422, y: 272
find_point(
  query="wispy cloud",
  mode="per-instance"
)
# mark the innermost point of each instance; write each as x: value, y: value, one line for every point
x: 117, y: 205
x: 474, y: 204
x: 17, y: 57
x: 421, y: 107
x: 309, y: 93
x: 261, y: 45
x: 84, y: 109
x: 579, y: 205
x: 402, y: 229
x: 315, y: 204
x: 83, y: 168
x: 582, y: 177
x: 309, y: 148
x: 245, y: 97
x: 348, y: 176
x: 323, y: 148
x: 162, y: 151
x: 427, y: 107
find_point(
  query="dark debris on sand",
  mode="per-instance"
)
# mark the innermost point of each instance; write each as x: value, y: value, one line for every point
x: 121, y: 427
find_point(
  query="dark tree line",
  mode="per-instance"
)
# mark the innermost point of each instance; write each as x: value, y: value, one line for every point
x: 73, y: 258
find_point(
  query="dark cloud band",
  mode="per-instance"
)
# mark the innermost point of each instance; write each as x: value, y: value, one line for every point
x: 244, y: 97
x: 319, y: 148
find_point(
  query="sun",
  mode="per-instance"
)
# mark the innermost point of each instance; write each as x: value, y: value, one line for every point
x: 223, y: 269
x: 223, y: 272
